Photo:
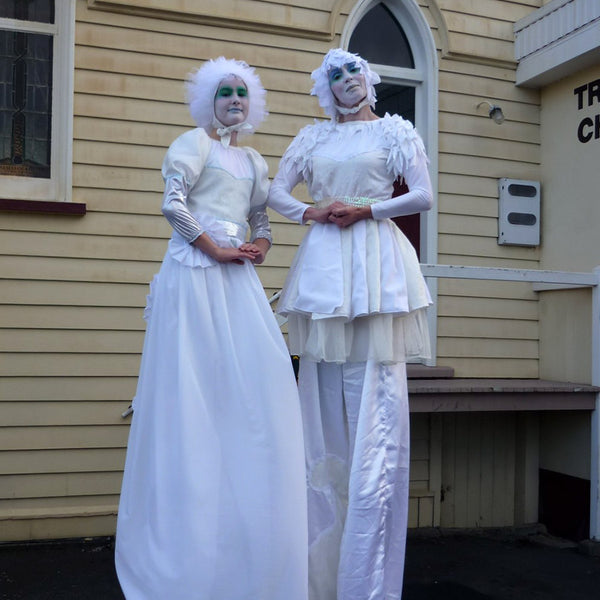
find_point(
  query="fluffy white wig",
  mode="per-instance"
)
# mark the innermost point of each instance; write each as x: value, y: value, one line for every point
x: 202, y: 85
x: 335, y: 58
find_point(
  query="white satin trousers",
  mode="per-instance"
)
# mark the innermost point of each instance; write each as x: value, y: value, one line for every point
x: 356, y: 428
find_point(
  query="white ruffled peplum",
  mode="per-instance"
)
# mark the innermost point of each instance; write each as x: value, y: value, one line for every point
x: 365, y: 302
x: 356, y: 294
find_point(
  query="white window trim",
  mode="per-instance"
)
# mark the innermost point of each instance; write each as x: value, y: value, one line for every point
x: 424, y: 79
x: 59, y: 186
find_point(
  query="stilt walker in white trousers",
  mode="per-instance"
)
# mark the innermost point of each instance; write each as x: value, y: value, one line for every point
x: 355, y: 300
x: 213, y: 504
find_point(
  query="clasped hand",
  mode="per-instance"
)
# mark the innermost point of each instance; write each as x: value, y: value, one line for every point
x: 338, y: 213
x: 255, y: 252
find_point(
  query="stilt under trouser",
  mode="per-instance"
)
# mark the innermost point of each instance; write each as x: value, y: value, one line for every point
x: 356, y: 427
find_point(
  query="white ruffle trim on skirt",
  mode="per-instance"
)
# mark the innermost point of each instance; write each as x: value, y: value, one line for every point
x: 357, y: 294
x: 383, y: 338
x: 150, y: 298
x: 223, y: 233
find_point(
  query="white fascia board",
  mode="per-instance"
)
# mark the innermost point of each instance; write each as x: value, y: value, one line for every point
x: 567, y: 55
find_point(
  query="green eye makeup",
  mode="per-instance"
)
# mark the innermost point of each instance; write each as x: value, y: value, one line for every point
x: 337, y: 73
x: 227, y: 91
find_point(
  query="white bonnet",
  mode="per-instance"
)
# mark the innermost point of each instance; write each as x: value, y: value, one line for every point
x: 202, y: 84
x: 336, y: 58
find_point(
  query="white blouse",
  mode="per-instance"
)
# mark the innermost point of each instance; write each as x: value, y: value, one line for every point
x: 325, y: 155
x: 356, y: 293
x: 204, y: 180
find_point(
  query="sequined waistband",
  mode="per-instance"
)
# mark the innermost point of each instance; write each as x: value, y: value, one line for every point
x: 352, y: 200
x: 233, y: 229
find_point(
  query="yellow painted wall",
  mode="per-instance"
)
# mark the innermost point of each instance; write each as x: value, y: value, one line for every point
x: 570, y: 210
x: 570, y: 173
x: 485, y: 329
x: 73, y: 288
x: 565, y: 443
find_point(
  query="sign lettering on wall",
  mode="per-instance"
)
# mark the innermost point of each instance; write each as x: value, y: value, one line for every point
x: 588, y: 95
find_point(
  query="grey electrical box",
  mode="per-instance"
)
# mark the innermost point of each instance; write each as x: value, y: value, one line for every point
x: 518, y: 212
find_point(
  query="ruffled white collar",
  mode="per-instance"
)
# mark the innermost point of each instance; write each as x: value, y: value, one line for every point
x: 225, y: 132
x: 391, y: 133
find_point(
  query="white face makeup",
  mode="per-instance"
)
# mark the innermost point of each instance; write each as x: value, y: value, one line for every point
x: 348, y: 84
x: 231, y: 101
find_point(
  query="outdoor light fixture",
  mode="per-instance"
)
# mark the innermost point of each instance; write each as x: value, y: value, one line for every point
x: 495, y: 113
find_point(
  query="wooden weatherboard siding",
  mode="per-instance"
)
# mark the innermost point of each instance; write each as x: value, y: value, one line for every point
x: 478, y: 469
x: 485, y: 329
x: 314, y: 19
x: 74, y: 287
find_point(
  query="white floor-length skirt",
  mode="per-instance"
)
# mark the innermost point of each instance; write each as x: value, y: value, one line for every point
x: 213, y: 503
x: 356, y: 423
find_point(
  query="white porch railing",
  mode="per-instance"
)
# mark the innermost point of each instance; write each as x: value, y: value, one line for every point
x: 542, y: 281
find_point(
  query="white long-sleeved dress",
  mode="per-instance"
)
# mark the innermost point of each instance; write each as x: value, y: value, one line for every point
x: 213, y: 501
x: 355, y: 299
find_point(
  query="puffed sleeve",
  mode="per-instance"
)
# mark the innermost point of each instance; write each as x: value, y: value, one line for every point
x: 408, y: 160
x: 257, y: 217
x: 181, y: 169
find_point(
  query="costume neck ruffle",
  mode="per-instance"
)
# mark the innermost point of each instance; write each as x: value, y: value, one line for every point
x: 396, y: 134
x: 225, y: 132
x: 352, y: 111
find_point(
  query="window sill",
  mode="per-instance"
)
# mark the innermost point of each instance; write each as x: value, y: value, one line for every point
x: 76, y: 209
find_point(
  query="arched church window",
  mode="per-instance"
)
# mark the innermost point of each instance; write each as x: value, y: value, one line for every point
x: 380, y: 39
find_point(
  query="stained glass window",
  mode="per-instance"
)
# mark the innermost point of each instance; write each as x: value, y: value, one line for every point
x: 25, y: 90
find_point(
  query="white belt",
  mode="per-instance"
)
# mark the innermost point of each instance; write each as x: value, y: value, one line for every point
x: 352, y: 200
x: 234, y: 230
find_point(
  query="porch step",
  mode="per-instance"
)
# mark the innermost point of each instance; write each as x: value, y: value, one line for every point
x: 416, y: 371
x: 464, y: 395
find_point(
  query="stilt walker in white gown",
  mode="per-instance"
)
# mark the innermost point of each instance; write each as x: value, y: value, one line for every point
x: 213, y: 504
x: 356, y: 300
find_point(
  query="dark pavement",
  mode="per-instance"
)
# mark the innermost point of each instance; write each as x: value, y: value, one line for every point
x: 500, y: 564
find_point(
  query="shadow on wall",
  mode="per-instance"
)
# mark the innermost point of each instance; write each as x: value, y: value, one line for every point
x: 564, y: 505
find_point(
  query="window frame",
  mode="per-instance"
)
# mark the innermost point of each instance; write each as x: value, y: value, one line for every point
x: 57, y: 188
x: 424, y: 78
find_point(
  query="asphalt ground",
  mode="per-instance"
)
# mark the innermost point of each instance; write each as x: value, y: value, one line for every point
x: 504, y: 564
